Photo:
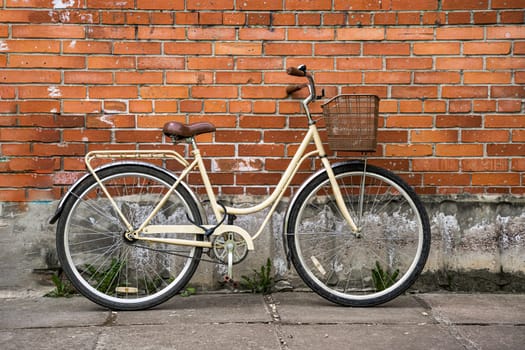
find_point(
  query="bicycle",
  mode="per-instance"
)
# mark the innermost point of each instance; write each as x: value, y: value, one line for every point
x: 130, y: 233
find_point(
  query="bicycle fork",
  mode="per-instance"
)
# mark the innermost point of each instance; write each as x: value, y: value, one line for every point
x: 335, y: 186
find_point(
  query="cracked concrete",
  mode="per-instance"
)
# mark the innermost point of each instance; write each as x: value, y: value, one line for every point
x: 284, y: 321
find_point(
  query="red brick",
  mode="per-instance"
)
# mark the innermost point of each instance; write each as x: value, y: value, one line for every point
x: 254, y: 33
x: 239, y: 49
x: 113, y: 92
x: 48, y: 31
x: 390, y: 49
x: 438, y: 136
x: 437, y: 48
x: 408, y: 63
x: 506, y: 32
x: 464, y: 4
x: 45, y: 61
x: 401, y: 121
x: 303, y: 5
x: 409, y: 33
x: 410, y: 150
x: 461, y: 121
x: 160, y: 4
x: 477, y: 136
x: 459, y: 150
x: 507, y: 91
x: 505, y: 63
x: 387, y: 77
x: 217, y: 63
x: 74, y: 107
x: 358, y: 63
x: 457, y: 63
x: 337, y: 49
x: 138, y: 77
x: 291, y: 49
x: 163, y: 92
x: 359, y: 34
x: 437, y: 77
x: 485, y: 164
x: 509, y: 17
x: 257, y: 92
x: 136, y: 48
x: 464, y: 91
x: 211, y: 34
x: 487, y: 78
x: 188, y: 77
x: 435, y: 165
x: 500, y: 4
x: 504, y: 121
x: 239, y: 78
x: 107, y: 32
x: 251, y: 5
x: 410, y: 5
x: 463, y: 33
x: 161, y: 33
x: 160, y: 62
x: 495, y: 179
x: 260, y: 63
x: 311, y: 34
x: 193, y: 48
x: 209, y: 4
x: 214, y: 91
x: 258, y: 19
x: 486, y: 48
x: 447, y: 179
x: 110, y: 62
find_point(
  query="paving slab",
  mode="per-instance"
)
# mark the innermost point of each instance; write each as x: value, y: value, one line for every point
x: 477, y: 308
x: 310, y: 308
x: 212, y: 308
x: 79, y: 338
x: 191, y: 336
x: 505, y: 337
x: 369, y: 337
x: 50, y: 313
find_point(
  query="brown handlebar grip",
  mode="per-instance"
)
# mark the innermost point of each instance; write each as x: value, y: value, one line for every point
x: 295, y: 72
x: 293, y: 88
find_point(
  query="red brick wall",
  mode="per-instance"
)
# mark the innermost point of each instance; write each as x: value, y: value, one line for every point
x: 79, y: 75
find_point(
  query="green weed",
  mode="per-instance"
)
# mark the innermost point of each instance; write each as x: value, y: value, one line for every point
x: 383, y: 279
x: 261, y: 281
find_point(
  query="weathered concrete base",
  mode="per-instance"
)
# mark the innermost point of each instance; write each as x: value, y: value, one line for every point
x: 478, y: 244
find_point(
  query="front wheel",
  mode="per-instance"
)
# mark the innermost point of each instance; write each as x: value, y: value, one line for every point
x: 102, y: 263
x: 368, y: 268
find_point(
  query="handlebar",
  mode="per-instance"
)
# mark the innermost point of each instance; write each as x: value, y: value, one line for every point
x: 301, y: 72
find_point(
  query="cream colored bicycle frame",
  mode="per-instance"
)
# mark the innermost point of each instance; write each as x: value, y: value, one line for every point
x: 145, y: 230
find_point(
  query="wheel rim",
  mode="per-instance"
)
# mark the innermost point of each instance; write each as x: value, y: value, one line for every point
x: 343, y: 265
x: 107, y: 265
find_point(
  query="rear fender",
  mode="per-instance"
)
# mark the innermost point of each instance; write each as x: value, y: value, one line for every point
x: 69, y: 193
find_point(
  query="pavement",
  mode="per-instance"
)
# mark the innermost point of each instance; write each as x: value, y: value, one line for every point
x: 281, y: 321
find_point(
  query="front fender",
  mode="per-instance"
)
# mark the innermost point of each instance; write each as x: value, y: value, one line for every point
x: 60, y: 206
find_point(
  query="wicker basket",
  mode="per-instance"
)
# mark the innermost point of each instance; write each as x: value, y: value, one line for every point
x: 351, y: 122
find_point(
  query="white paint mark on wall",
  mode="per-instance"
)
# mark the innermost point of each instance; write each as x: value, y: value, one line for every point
x: 105, y: 119
x: 3, y: 46
x: 54, y: 91
x: 63, y: 4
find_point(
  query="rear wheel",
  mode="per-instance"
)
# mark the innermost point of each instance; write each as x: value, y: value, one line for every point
x: 379, y: 263
x: 102, y: 263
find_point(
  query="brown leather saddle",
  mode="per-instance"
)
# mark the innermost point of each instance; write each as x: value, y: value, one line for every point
x: 179, y: 131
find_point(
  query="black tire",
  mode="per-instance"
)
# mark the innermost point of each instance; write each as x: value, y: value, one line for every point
x: 106, y: 267
x: 360, y: 270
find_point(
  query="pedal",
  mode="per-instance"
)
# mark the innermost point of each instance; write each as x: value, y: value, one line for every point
x: 230, y: 283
